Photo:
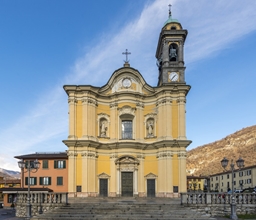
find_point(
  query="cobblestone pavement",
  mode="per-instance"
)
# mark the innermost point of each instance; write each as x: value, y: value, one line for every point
x: 8, y: 214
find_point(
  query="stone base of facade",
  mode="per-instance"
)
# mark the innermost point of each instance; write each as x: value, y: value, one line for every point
x: 167, y: 195
x: 112, y: 194
x: 142, y: 194
x: 83, y: 194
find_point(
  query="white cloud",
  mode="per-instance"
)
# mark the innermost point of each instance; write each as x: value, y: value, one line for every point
x: 212, y: 25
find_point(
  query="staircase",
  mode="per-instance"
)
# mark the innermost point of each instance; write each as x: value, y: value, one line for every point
x: 123, y: 208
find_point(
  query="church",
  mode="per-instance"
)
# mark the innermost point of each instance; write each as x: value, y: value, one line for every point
x: 127, y: 138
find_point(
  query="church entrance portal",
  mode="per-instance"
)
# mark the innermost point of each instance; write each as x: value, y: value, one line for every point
x: 127, y: 184
x: 104, y: 187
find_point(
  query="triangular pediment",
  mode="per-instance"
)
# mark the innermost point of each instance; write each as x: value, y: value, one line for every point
x: 151, y: 176
x: 103, y: 176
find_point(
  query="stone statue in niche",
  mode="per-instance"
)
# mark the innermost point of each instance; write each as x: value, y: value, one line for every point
x: 103, y: 128
x: 150, y: 128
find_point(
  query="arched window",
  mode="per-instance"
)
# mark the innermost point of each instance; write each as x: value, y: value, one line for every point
x: 173, y: 28
x: 126, y: 123
x: 173, y: 52
x: 126, y: 126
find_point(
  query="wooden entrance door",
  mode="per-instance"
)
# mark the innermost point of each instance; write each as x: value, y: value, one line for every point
x: 151, y: 188
x: 104, y: 187
x: 127, y: 183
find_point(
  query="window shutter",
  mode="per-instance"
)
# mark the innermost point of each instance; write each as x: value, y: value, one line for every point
x: 41, y: 180
x: 26, y: 180
x: 55, y: 164
x: 64, y: 164
x: 49, y: 180
x: 35, y: 181
x: 45, y: 164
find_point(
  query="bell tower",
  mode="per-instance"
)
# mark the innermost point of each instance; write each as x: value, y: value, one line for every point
x: 170, y: 52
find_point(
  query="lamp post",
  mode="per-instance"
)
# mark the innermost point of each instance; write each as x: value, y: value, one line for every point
x: 240, y: 164
x: 31, y: 166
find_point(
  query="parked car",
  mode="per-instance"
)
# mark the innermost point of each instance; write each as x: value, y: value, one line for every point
x: 238, y: 190
x: 248, y: 190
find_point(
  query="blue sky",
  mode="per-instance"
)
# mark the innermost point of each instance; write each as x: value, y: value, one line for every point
x: 46, y: 44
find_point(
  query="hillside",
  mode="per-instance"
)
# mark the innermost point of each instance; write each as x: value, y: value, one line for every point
x: 205, y: 160
x: 9, y: 174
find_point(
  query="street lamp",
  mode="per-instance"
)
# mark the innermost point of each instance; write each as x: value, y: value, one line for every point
x: 240, y: 164
x: 31, y: 166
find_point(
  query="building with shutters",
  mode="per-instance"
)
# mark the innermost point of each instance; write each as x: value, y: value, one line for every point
x: 128, y: 138
x: 243, y: 178
x: 52, y: 174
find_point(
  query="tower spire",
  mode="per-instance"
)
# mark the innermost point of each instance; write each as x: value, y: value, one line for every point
x: 170, y: 12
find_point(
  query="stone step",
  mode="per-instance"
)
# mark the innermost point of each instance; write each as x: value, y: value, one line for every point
x: 123, y: 209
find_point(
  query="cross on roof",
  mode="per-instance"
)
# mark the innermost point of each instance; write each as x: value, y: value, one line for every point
x: 126, y: 53
x: 170, y: 12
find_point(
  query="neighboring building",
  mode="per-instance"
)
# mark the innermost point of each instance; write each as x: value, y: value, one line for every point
x: 197, y: 183
x: 53, y: 171
x: 8, y: 184
x: 128, y: 138
x: 52, y: 176
x: 243, y: 178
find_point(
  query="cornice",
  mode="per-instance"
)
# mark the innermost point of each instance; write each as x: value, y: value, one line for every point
x: 128, y: 144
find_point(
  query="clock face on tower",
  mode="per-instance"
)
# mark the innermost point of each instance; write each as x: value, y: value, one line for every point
x: 173, y: 76
x: 127, y: 83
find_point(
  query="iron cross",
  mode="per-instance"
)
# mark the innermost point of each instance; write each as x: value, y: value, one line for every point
x: 170, y: 11
x: 126, y: 55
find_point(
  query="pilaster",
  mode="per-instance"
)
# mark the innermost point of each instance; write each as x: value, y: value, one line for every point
x: 84, y: 173
x: 72, y: 172
x: 182, y: 118
x: 139, y: 121
x: 114, y: 186
x: 182, y: 171
x: 114, y: 121
x: 72, y: 118
x: 85, y: 118
x: 141, y: 180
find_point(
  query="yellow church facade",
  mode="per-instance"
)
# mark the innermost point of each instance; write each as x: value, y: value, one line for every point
x: 128, y: 138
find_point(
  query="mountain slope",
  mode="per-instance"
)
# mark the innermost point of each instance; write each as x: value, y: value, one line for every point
x: 205, y: 160
x: 9, y: 173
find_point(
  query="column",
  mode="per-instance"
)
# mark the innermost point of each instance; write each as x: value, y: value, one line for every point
x: 72, y: 117
x: 118, y: 181
x: 135, y: 187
